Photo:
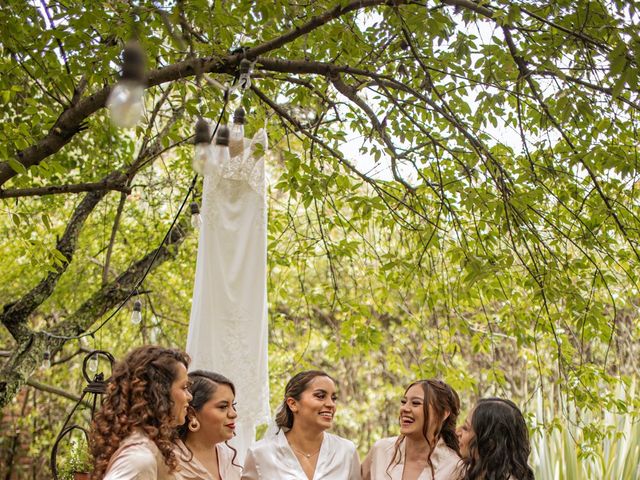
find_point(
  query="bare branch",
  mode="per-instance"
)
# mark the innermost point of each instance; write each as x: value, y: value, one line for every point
x: 104, y: 185
x: 28, y: 354
x: 56, y: 391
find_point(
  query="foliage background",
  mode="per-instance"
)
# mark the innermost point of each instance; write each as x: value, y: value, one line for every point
x: 453, y: 193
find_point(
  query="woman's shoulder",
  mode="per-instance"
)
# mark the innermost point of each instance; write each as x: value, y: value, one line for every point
x: 339, y: 442
x: 266, y: 444
x: 225, y: 451
x: 136, y: 457
x: 140, y: 443
x: 385, y: 443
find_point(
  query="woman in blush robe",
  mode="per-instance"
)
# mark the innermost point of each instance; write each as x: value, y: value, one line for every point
x: 427, y: 447
x: 202, y: 451
x: 133, y: 433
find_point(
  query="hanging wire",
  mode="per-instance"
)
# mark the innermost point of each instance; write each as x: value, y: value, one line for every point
x: 157, y: 252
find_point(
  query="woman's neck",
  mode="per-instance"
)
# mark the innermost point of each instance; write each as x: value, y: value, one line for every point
x: 415, y: 447
x: 305, y: 440
x: 197, y: 442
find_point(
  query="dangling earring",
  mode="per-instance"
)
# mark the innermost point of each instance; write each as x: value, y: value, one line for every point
x: 194, y: 425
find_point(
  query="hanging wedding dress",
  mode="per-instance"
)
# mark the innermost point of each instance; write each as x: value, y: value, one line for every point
x: 228, y: 325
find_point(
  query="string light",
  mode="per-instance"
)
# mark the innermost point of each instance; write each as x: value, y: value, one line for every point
x: 125, y: 101
x: 237, y: 128
x: 196, y: 218
x: 203, y: 152
x: 244, y: 79
x: 134, y: 290
x: 221, y: 156
x: 155, y: 331
x: 92, y: 364
x: 46, y: 360
x: 136, y: 314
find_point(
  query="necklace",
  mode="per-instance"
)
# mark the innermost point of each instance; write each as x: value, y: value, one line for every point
x: 305, y: 455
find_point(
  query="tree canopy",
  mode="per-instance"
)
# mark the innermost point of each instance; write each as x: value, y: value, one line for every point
x: 453, y: 185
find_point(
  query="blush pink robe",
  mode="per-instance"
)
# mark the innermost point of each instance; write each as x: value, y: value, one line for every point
x: 376, y: 465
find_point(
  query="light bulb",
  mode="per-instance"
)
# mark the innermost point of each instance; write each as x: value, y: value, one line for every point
x: 203, y: 152
x: 136, y: 314
x: 203, y: 155
x: 221, y: 156
x: 196, y: 218
x: 236, y: 133
x: 46, y: 360
x: 153, y: 335
x: 244, y: 79
x: 92, y: 364
x: 125, y: 101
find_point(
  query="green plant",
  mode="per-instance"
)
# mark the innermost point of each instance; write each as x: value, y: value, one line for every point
x: 78, y: 460
x: 568, y: 451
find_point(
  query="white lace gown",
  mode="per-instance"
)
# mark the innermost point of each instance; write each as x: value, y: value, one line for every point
x: 228, y: 325
x: 273, y: 459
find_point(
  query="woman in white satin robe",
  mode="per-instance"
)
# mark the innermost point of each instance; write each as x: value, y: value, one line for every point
x: 302, y: 449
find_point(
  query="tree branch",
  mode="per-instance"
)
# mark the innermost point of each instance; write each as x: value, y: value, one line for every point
x: 58, y: 189
x: 352, y: 95
x: 14, y: 315
x: 27, y: 356
x: 56, y: 391
x: 72, y: 119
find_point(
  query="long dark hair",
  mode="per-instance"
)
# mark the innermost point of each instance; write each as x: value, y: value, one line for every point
x: 203, y: 386
x: 294, y: 389
x: 138, y: 397
x: 442, y: 399
x: 500, y: 447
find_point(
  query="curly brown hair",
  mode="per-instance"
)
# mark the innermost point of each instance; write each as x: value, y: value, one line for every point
x: 138, y: 398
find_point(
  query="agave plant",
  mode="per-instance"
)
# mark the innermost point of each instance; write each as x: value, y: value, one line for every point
x: 561, y: 451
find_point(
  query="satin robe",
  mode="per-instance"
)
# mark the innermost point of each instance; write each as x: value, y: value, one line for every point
x: 446, y: 462
x: 137, y: 458
x: 189, y: 468
x: 273, y: 459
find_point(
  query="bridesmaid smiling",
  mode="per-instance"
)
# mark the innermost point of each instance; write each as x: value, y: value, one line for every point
x: 202, y: 451
x: 303, y: 448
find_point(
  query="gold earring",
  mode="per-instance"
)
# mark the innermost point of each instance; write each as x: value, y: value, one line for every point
x: 194, y: 425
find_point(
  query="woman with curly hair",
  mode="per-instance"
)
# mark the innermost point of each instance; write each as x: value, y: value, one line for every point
x: 203, y: 452
x: 134, y: 431
x: 302, y: 448
x: 427, y: 447
x: 494, y: 443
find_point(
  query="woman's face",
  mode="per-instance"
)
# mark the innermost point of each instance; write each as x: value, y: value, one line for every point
x: 316, y: 406
x: 180, y: 395
x: 465, y: 435
x: 412, y: 412
x: 217, y: 416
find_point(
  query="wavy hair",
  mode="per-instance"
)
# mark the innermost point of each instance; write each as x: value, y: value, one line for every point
x: 442, y: 398
x: 203, y: 386
x: 500, y: 447
x: 138, y: 398
x: 294, y: 389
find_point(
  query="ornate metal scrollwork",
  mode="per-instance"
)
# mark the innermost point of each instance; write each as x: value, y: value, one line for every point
x: 95, y: 387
